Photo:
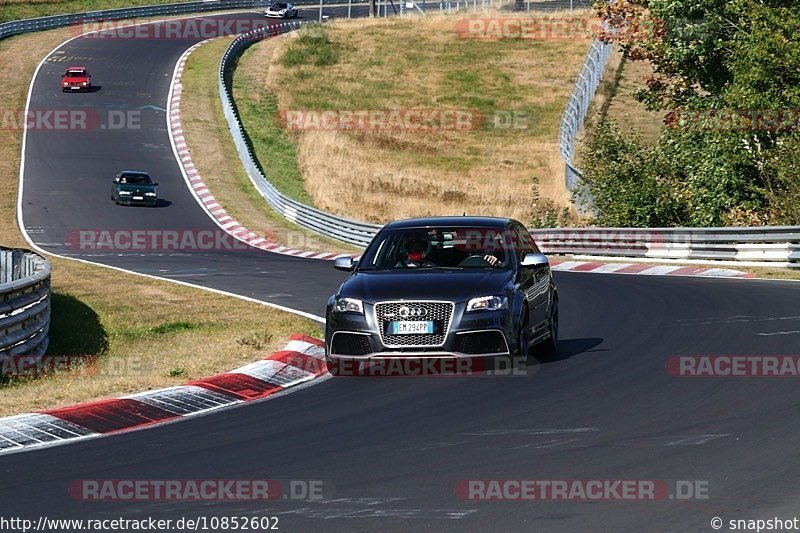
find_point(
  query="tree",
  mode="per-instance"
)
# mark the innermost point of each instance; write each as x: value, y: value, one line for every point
x: 727, y: 75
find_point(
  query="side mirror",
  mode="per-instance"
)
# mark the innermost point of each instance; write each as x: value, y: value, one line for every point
x: 535, y: 260
x: 116, y: 179
x: 344, y: 263
x: 155, y: 185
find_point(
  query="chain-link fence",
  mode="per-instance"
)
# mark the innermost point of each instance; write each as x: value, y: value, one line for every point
x: 574, y: 116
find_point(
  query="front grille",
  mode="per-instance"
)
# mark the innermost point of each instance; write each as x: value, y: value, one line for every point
x: 481, y: 342
x: 437, y: 312
x: 350, y: 344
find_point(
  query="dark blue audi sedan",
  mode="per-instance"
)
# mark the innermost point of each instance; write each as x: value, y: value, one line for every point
x: 443, y: 287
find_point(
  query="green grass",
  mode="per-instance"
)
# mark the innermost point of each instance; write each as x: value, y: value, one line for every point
x: 513, y: 90
x: 11, y: 10
x: 313, y: 47
x: 215, y: 155
x: 167, y: 328
x: 273, y: 148
x: 487, y: 90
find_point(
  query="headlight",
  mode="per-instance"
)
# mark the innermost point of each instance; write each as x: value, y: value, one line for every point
x: 124, y: 192
x: 85, y: 83
x: 349, y: 305
x: 149, y: 194
x: 487, y: 303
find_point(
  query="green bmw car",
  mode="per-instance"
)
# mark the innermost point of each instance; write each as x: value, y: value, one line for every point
x: 131, y: 187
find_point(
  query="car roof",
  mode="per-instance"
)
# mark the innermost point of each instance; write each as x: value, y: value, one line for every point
x: 465, y: 221
x: 139, y: 172
x: 76, y: 68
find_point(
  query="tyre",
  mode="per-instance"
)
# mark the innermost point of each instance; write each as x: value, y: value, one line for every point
x: 550, y: 345
x: 333, y: 366
x: 523, y: 339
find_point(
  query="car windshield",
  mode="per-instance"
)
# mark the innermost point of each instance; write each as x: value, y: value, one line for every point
x: 135, y: 179
x: 76, y: 73
x: 278, y: 6
x: 445, y: 247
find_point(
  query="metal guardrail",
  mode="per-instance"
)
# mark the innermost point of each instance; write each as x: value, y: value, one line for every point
x: 16, y: 27
x: 574, y: 116
x: 57, y: 21
x: 24, y: 283
x: 777, y: 246
x: 24, y: 303
x: 350, y: 231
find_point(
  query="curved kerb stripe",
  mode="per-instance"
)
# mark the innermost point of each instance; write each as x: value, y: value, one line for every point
x: 199, y: 189
x: 301, y: 360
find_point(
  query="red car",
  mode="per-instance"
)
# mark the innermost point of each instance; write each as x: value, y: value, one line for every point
x: 76, y: 79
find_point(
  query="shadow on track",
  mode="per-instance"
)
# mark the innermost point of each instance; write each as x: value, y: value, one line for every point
x: 566, y: 349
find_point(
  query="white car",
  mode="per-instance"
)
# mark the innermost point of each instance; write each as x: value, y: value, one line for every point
x: 281, y: 10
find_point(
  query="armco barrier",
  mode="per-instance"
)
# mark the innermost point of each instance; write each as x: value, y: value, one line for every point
x: 350, y: 231
x: 24, y: 303
x: 774, y: 246
x: 777, y: 246
x: 16, y: 27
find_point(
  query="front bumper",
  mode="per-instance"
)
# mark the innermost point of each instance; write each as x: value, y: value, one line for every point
x: 357, y: 337
x: 149, y: 201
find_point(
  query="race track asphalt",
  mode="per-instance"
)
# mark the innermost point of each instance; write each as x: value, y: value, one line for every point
x: 391, y: 450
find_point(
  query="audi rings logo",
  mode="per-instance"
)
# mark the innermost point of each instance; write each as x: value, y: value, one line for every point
x: 411, y: 312
x: 407, y: 312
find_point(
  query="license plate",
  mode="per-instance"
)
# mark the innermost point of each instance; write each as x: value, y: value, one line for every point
x: 138, y: 197
x: 409, y: 327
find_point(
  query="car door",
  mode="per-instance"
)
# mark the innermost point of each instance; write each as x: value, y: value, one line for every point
x: 536, y: 279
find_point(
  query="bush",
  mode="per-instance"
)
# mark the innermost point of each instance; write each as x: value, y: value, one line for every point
x: 783, y: 182
x: 312, y: 47
x: 628, y: 184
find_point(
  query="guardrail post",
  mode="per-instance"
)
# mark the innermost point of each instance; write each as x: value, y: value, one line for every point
x: 16, y: 264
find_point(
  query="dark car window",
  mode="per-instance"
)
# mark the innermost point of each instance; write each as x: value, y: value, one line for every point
x: 76, y: 72
x: 278, y: 6
x: 136, y: 179
x: 525, y: 242
x: 444, y: 247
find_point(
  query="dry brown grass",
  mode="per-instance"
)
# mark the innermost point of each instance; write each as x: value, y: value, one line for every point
x: 167, y: 329
x: 12, y: 2
x: 425, y: 64
x: 616, y: 101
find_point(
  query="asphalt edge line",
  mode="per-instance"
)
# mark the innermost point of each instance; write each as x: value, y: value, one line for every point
x: 34, y: 246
